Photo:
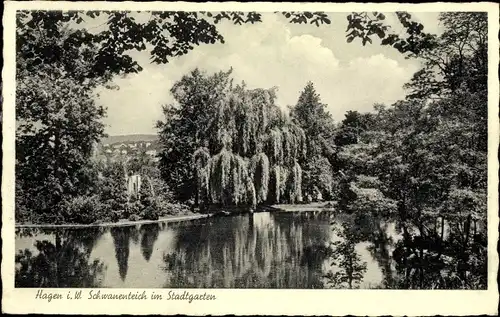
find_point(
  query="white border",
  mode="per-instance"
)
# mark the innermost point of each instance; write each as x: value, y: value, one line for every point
x: 247, y: 302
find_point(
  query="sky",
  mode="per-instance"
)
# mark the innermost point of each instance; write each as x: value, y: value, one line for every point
x: 347, y: 76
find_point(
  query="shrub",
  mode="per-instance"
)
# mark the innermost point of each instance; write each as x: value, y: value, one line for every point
x: 173, y: 209
x: 134, y: 217
x: 149, y: 213
x: 133, y: 208
x: 116, y: 215
x: 84, y: 210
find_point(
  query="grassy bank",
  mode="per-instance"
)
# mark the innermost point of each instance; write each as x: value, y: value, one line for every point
x: 121, y: 223
x: 89, y: 211
x: 184, y: 216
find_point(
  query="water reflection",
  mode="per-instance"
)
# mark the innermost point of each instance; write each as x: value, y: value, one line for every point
x: 260, y: 250
x: 441, y: 254
x: 121, y: 240
x: 248, y: 252
x: 348, y: 268
x: 59, y: 260
x: 381, y: 249
x: 149, y: 236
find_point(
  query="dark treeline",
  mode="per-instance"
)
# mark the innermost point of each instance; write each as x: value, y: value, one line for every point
x: 421, y: 161
x: 424, y: 160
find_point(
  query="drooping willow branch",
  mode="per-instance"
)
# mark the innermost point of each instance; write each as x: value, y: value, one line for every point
x: 259, y: 153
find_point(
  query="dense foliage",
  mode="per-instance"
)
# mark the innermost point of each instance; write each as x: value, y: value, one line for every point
x: 313, y: 117
x: 226, y: 144
x: 64, y: 261
x: 424, y: 161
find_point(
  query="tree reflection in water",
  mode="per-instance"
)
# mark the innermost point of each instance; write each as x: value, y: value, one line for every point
x: 425, y: 255
x: 249, y: 251
x: 263, y: 250
x: 380, y: 248
x: 121, y: 240
x: 426, y: 259
x: 375, y: 231
x: 63, y: 262
x: 150, y: 234
x: 349, y: 269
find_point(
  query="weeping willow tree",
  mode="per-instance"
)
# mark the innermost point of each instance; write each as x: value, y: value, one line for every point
x: 260, y: 147
x: 259, y: 170
x: 245, y: 150
x: 201, y: 159
x: 295, y: 190
x: 229, y: 180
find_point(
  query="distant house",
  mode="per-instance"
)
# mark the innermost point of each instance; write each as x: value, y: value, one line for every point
x: 119, y: 145
x: 148, y: 144
x: 124, y: 152
x: 109, y: 151
x: 132, y: 145
x: 151, y: 153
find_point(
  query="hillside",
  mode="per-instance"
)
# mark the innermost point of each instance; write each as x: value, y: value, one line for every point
x: 129, y: 138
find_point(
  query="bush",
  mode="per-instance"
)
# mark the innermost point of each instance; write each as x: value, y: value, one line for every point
x: 34, y: 206
x: 134, y: 217
x: 138, y: 210
x: 84, y: 210
x: 25, y: 215
x: 150, y: 213
x: 173, y: 209
x: 149, y: 201
x: 116, y: 215
x: 133, y: 208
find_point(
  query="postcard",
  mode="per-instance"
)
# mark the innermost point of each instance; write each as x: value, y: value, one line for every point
x: 250, y: 158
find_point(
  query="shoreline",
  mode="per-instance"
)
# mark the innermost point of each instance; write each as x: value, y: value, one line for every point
x: 119, y: 223
x: 277, y: 208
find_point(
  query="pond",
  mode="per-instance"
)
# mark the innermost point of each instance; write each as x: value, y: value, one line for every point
x: 259, y: 250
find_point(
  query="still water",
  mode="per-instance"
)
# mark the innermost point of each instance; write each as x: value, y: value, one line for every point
x: 260, y: 250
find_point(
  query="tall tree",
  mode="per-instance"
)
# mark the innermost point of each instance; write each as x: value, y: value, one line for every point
x: 426, y: 157
x: 313, y: 117
x: 457, y: 59
x: 188, y: 126
x: 351, y: 127
x: 58, y: 123
x: 226, y: 144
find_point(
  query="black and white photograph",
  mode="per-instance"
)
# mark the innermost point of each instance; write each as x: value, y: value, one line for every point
x: 267, y: 149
